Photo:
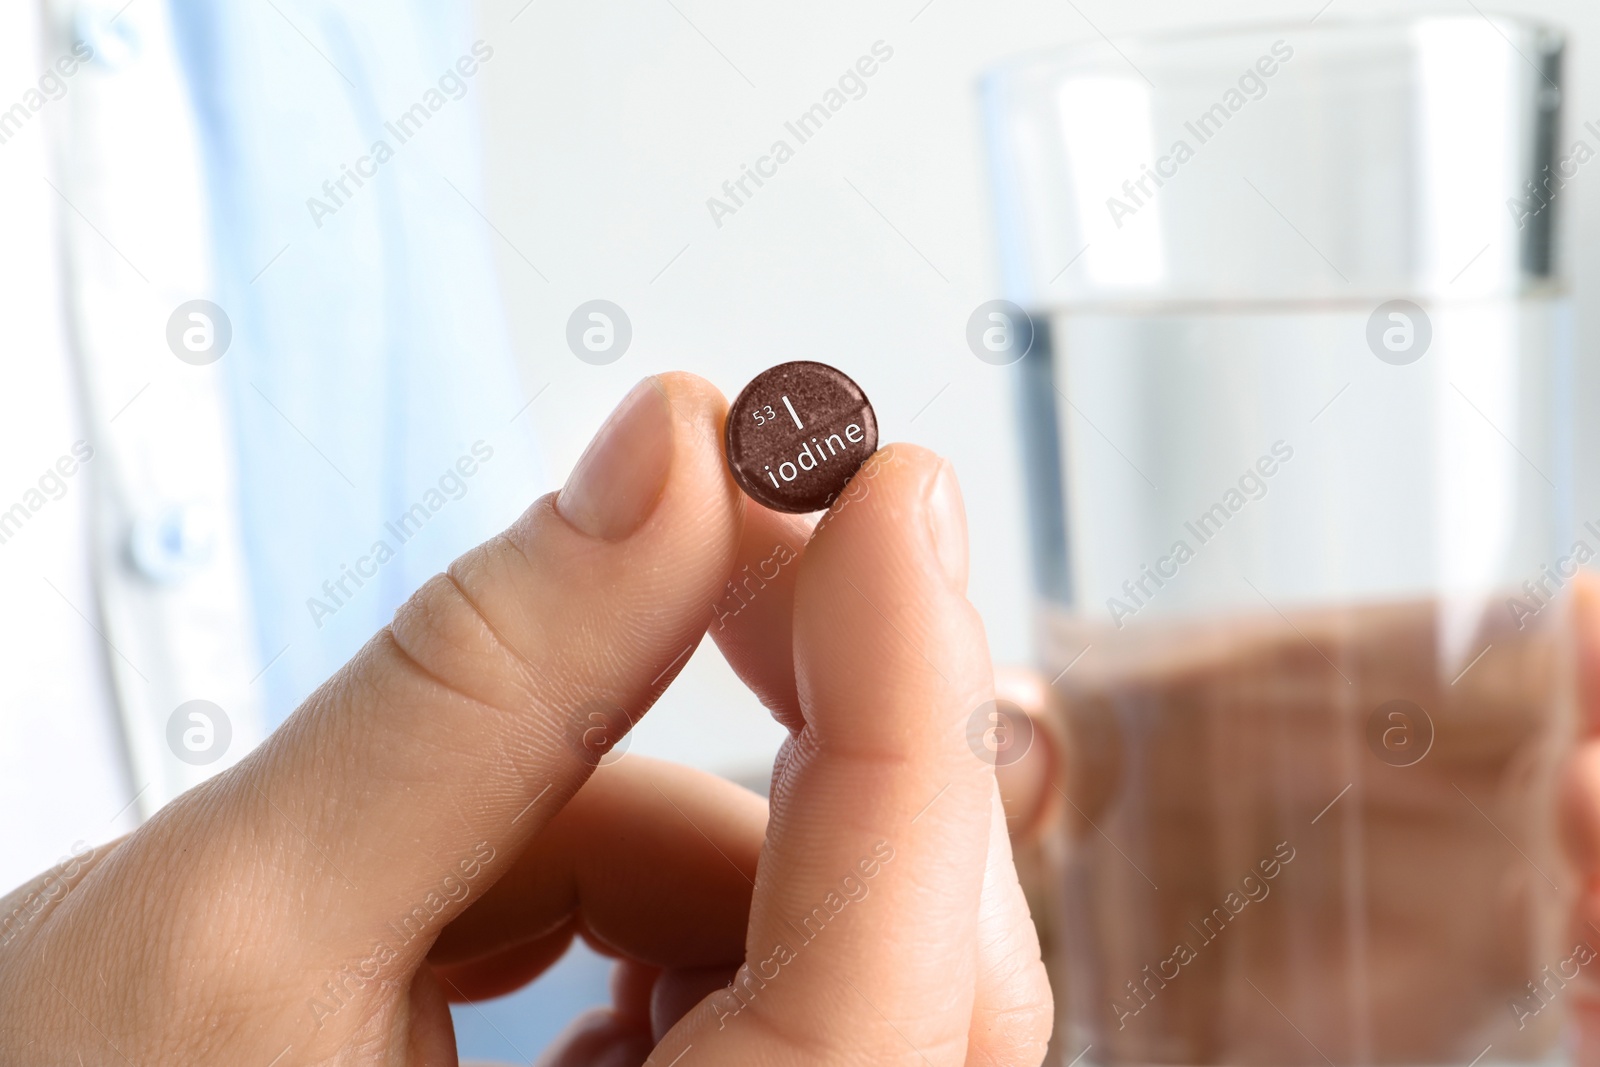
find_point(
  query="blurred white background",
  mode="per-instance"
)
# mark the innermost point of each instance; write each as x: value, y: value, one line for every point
x: 608, y: 125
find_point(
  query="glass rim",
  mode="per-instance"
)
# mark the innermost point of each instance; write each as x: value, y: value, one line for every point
x: 1056, y: 55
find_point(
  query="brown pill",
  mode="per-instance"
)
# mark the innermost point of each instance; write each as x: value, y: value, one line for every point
x: 797, y: 433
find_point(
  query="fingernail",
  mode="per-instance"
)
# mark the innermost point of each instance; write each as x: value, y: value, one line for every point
x: 947, y: 523
x: 621, y: 474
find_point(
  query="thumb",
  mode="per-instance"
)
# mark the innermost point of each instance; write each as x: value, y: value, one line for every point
x: 398, y: 791
x: 881, y: 811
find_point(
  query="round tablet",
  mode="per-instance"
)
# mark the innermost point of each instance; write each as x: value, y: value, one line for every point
x: 797, y: 433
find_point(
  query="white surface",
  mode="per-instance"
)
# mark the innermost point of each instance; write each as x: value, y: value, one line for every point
x: 60, y: 757
x: 612, y: 123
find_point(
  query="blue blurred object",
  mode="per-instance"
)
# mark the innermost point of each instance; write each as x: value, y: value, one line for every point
x: 370, y: 367
x: 370, y: 355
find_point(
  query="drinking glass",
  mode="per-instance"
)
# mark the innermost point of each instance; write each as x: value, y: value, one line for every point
x: 1287, y: 310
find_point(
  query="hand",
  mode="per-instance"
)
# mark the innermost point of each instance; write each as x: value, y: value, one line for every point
x: 1477, y: 924
x: 430, y: 824
x: 1580, y: 818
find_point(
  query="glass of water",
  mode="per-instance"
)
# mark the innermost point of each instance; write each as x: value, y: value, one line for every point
x: 1290, y: 322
